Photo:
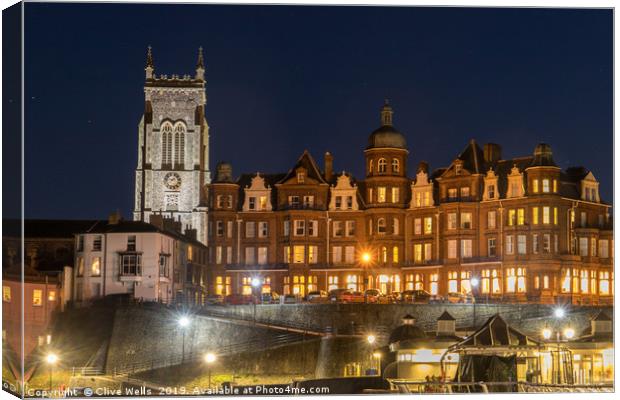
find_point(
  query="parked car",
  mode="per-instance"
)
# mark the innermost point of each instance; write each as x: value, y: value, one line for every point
x: 435, y: 298
x: 460, y: 298
x: 416, y: 296
x: 353, y: 297
x: 215, y: 299
x: 290, y: 299
x: 317, y: 296
x: 270, y: 298
x: 335, y: 295
x: 372, y: 295
x: 237, y: 299
x: 394, y: 297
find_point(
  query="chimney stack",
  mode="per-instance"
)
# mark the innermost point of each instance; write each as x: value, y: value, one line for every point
x: 114, y: 218
x: 157, y: 220
x: 329, y: 166
x: 492, y: 152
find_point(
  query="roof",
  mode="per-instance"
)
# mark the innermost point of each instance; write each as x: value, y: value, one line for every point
x: 124, y: 226
x: 406, y: 332
x: 45, y: 228
x: 386, y: 136
x: 496, y: 332
x: 307, y: 162
x: 446, y: 316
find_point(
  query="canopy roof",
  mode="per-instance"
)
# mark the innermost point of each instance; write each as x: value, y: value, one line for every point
x: 497, y: 333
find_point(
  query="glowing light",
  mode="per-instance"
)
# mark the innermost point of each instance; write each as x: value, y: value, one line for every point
x: 210, y: 358
x: 51, y: 358
x: 376, y: 355
x: 546, y: 333
x: 474, y: 282
x: 366, y: 257
x: 183, y: 322
x: 569, y: 333
x: 371, y: 339
x: 559, y: 312
x: 255, y: 282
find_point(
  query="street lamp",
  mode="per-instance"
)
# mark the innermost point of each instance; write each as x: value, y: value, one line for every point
x: 371, y: 339
x: 184, y: 322
x: 569, y: 333
x: 546, y: 333
x: 559, y: 313
x: 210, y: 359
x: 51, y: 359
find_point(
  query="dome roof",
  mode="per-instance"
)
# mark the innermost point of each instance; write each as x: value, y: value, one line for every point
x: 543, y: 156
x: 386, y: 135
x: 406, y: 332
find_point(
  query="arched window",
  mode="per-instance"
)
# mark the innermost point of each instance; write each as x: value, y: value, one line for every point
x: 166, y: 143
x: 382, y: 165
x: 395, y: 166
x: 179, y: 144
x: 369, y: 167
x: 381, y: 225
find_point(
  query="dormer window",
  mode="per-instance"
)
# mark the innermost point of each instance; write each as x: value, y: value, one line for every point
x: 338, y: 202
x: 452, y: 193
x: 262, y: 203
x: 293, y: 201
x: 382, y: 165
x: 301, y: 177
x: 491, y: 191
x: 308, y: 201
x: 465, y: 192
x: 458, y: 167
x: 252, y: 203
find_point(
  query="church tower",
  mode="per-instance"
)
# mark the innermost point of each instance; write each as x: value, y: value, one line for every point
x: 173, y: 148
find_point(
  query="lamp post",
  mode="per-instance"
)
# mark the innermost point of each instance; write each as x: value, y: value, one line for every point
x: 548, y: 333
x: 210, y: 359
x: 255, y: 285
x: 474, y: 286
x: 365, y: 259
x: 377, y: 356
x: 51, y: 359
x: 371, y: 339
x: 183, y: 323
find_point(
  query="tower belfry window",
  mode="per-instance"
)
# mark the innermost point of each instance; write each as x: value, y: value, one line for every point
x: 166, y: 143
x: 382, y: 165
x: 179, y: 144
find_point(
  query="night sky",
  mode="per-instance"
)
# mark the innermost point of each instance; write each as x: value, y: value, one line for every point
x: 284, y: 79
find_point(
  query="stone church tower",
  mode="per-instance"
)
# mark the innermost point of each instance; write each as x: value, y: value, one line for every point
x: 173, y: 149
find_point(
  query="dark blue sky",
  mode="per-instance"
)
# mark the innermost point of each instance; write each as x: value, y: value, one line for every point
x: 284, y: 79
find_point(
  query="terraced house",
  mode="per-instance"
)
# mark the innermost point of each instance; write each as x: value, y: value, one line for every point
x: 527, y: 230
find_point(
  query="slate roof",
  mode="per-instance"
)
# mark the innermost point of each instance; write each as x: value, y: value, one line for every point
x: 497, y: 332
x: 306, y: 161
x: 446, y: 316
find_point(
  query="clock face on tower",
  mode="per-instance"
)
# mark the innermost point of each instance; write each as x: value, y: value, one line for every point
x: 172, y: 180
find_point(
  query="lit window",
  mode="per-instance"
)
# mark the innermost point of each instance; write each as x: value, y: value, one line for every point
x: 262, y: 205
x: 566, y: 281
x: 465, y: 282
x: 332, y: 282
x: 535, y: 215
x: 434, y: 283
x: 95, y: 267
x: 6, y: 294
x: 51, y: 295
x: 452, y: 193
x: 428, y: 251
x: 603, y: 248
x: 545, y: 186
x: 395, y: 254
x: 511, y: 217
x: 520, y: 216
x: 80, y: 266
x: 603, y: 282
x: 545, y: 216
x: 511, y: 280
x: 417, y: 226
x: 395, y: 195
x: 299, y: 254
x: 37, y: 295
x: 428, y: 225
x: 585, y: 281
x: 287, y: 254
x: 466, y: 221
x: 555, y: 186
x: 249, y: 255
x: 419, y: 282
x: 350, y: 228
x: 509, y: 244
x: 381, y: 194
x: 555, y: 215
x: 452, y: 282
x: 395, y: 226
x: 535, y: 185
x: 313, y: 254
x: 338, y: 229
x: 465, y: 192
x: 262, y: 255
x: 384, y: 254
x: 417, y: 253
x: 485, y: 281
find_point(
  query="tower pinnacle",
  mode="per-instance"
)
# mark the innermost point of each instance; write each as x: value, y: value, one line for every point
x: 200, y: 65
x: 150, y: 67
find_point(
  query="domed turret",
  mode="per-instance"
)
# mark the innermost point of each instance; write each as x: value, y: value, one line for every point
x: 407, y: 331
x: 386, y: 135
